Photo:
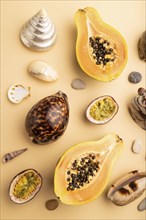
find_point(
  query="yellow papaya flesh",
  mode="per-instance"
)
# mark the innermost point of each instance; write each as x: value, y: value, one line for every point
x: 83, y: 171
x: 101, y: 50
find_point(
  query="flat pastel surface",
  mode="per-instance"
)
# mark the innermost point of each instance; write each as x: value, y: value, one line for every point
x: 128, y: 17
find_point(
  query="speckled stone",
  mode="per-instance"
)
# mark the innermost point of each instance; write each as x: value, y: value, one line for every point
x: 135, y: 77
x: 78, y: 84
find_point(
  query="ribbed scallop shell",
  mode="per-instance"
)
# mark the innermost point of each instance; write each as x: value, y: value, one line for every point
x: 39, y: 32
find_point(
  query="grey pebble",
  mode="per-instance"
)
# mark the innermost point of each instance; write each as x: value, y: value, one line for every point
x: 52, y: 204
x: 135, y: 77
x: 142, y: 46
x: 142, y: 205
x: 78, y: 84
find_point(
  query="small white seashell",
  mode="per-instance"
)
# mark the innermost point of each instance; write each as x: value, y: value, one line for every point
x: 43, y: 71
x: 39, y: 32
x: 17, y: 93
x: 9, y: 156
x: 78, y: 84
x: 136, y: 146
x: 142, y: 205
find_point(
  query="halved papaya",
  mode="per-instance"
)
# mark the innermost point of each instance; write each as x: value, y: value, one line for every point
x: 101, y: 50
x: 83, y: 171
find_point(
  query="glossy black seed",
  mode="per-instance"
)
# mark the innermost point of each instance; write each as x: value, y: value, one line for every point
x: 73, y: 175
x: 68, y: 179
x: 68, y: 172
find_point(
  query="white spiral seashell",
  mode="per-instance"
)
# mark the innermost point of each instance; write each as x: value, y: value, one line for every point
x: 43, y: 71
x: 39, y: 32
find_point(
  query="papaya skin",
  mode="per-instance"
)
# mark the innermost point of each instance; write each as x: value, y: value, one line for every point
x: 89, y: 24
x: 109, y: 148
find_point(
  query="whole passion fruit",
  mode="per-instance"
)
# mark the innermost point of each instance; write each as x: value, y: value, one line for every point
x: 102, y: 110
x: 47, y: 120
x: 24, y: 186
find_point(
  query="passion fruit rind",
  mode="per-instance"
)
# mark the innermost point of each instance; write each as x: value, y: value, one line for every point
x: 102, y: 109
x: 25, y: 185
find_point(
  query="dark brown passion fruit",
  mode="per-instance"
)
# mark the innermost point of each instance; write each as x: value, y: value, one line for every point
x: 24, y: 186
x: 47, y: 120
x: 102, y: 110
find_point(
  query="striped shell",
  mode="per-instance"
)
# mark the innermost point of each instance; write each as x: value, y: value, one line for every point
x: 127, y: 188
x: 39, y: 32
x: 9, y: 156
x: 137, y: 108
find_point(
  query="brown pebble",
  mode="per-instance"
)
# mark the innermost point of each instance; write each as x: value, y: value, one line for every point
x: 52, y: 204
x: 78, y: 84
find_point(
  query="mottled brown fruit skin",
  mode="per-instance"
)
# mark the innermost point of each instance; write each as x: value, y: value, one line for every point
x: 47, y: 120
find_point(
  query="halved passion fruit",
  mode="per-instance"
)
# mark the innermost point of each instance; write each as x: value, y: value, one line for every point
x: 102, y: 110
x: 25, y: 185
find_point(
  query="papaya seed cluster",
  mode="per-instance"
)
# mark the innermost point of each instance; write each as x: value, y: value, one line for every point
x: 82, y: 171
x: 102, y: 50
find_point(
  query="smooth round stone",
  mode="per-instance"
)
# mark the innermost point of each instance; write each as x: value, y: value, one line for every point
x: 78, y: 84
x: 136, y: 146
x: 52, y: 204
x: 142, y: 205
x: 135, y: 77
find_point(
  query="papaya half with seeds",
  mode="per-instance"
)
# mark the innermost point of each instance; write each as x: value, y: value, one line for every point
x: 101, y: 50
x: 83, y: 171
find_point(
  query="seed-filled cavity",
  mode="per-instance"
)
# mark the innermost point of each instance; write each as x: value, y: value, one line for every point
x: 82, y: 171
x: 103, y: 51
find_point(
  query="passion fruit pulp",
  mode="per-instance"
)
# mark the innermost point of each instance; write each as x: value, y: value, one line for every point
x: 24, y: 186
x: 102, y: 109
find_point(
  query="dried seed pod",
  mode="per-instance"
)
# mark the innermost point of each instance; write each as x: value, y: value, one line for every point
x: 9, y: 156
x: 127, y: 188
x: 43, y: 71
x: 17, y: 93
x: 142, y: 46
x: 39, y: 33
x: 137, y: 108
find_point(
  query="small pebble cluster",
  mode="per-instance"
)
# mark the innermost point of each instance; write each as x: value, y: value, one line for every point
x: 102, y: 51
x: 82, y: 171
